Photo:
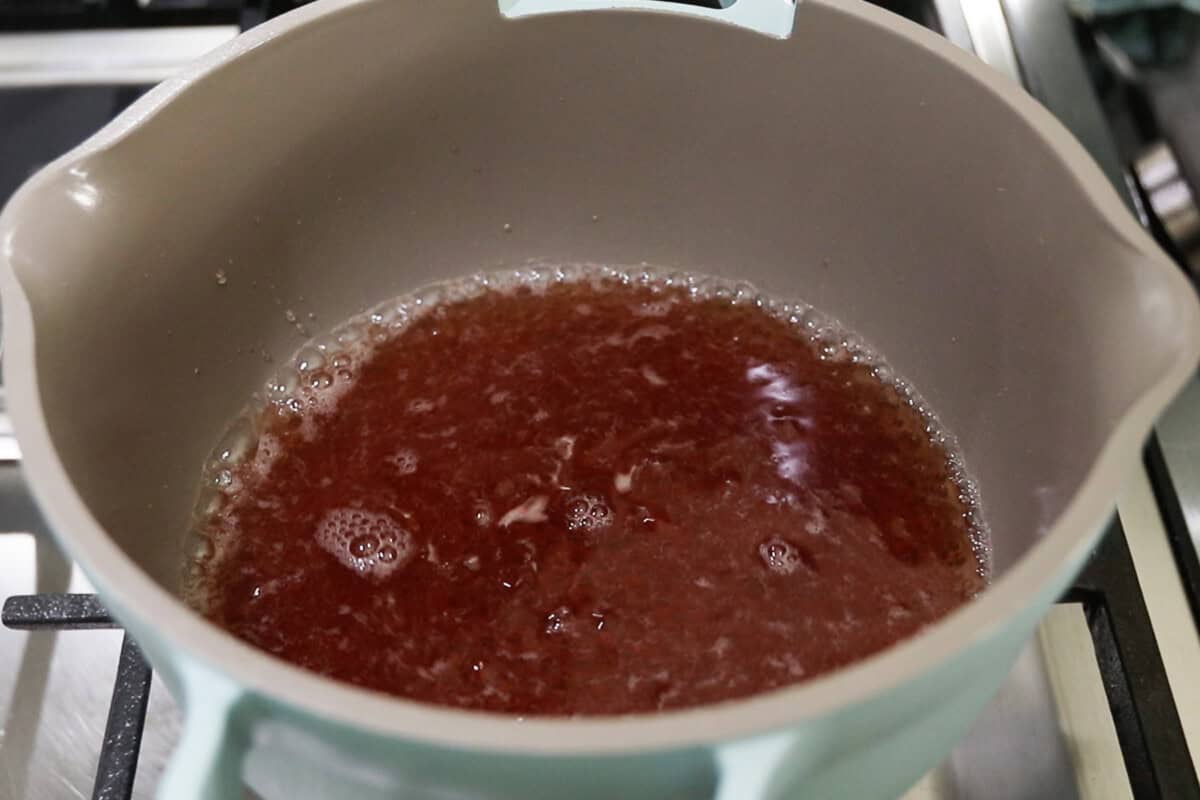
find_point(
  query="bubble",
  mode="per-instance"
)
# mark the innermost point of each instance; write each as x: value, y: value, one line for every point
x: 349, y: 335
x: 482, y: 514
x: 426, y: 298
x: 289, y: 315
x: 588, y: 512
x: 781, y: 556
x: 236, y: 443
x: 744, y: 293
x: 282, y: 385
x: 370, y: 543
x: 309, y: 358
x: 404, y: 461
x: 363, y: 546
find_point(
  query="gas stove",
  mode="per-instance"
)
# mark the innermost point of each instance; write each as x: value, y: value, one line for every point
x: 1102, y: 704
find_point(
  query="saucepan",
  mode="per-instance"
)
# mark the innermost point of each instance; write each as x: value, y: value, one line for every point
x: 353, y: 150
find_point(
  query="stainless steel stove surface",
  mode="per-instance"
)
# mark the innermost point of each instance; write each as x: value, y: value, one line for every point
x: 1104, y: 703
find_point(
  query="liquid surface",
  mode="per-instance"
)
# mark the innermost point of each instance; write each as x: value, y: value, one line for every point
x: 588, y: 500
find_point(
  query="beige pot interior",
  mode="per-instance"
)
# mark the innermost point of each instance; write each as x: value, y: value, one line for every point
x: 846, y: 167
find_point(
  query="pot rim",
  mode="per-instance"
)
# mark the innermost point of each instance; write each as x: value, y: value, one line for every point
x: 151, y: 607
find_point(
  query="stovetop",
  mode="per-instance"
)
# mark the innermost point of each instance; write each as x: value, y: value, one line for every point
x: 1102, y: 704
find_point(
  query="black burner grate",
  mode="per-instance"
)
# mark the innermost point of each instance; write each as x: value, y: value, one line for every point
x: 1143, y: 709
x: 117, y: 767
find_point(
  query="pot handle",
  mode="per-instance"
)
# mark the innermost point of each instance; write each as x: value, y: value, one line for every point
x: 770, y: 17
x: 207, y: 762
x: 751, y: 769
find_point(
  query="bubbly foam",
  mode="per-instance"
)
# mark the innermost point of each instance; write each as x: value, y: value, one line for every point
x: 589, y: 513
x: 367, y: 542
x: 781, y: 556
x: 404, y: 461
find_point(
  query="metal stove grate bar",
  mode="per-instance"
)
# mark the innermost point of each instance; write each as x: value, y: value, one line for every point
x: 117, y: 767
x: 1152, y: 739
x: 62, y: 612
x: 1175, y: 523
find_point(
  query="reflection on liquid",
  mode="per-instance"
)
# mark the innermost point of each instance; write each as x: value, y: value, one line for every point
x: 783, y: 395
x: 790, y: 459
x: 777, y: 385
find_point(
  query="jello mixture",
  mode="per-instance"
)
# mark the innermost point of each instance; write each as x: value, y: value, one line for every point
x: 590, y: 498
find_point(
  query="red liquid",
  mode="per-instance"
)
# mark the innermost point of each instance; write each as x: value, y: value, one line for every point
x: 593, y: 501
